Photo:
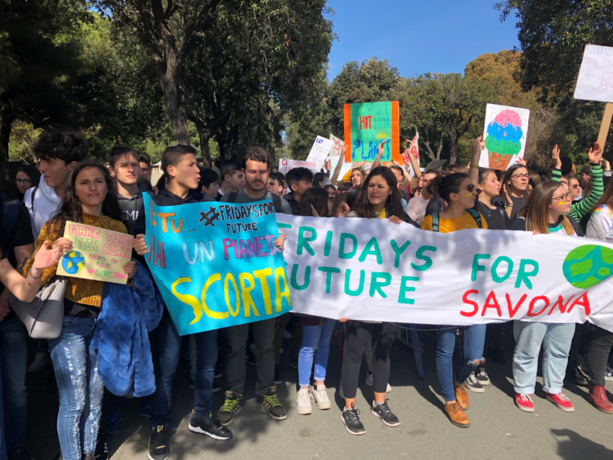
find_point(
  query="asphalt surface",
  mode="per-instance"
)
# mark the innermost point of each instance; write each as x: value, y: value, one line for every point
x: 498, y: 429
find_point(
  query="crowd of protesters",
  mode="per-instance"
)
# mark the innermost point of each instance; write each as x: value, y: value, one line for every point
x: 67, y: 185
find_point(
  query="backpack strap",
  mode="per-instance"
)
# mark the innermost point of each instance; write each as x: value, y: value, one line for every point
x: 276, y: 201
x: 476, y: 216
x: 435, y: 221
x: 32, y: 196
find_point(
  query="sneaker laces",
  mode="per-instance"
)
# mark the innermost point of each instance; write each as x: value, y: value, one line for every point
x: 272, y: 399
x: 322, y: 394
x: 159, y: 434
x: 522, y: 398
x: 303, y: 397
x: 384, y: 408
x: 229, y: 404
x: 561, y: 396
x: 483, y: 373
x: 472, y: 380
x: 353, y: 415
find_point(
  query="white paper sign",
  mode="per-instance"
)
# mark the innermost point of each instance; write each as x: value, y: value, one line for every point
x: 372, y: 269
x: 595, y: 82
x: 286, y: 165
x: 319, y: 151
x: 337, y: 148
x: 505, y: 133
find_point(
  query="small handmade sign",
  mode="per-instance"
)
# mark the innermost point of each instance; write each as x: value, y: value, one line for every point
x: 595, y: 82
x: 97, y: 254
x: 320, y: 150
x: 505, y: 134
x: 286, y: 165
x: 366, y: 126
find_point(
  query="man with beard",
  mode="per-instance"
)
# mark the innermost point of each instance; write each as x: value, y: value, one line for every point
x: 256, y: 167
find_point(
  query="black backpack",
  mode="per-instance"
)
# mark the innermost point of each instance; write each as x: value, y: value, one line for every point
x: 276, y: 201
x: 472, y: 212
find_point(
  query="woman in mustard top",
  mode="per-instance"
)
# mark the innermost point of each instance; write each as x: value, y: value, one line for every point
x: 460, y: 194
x: 89, y: 199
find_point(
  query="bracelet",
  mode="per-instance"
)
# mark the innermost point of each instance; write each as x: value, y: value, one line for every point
x: 474, y: 166
x: 34, y: 277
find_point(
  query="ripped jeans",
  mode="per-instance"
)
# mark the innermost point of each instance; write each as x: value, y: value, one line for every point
x: 315, y: 344
x: 76, y: 371
x: 474, y: 340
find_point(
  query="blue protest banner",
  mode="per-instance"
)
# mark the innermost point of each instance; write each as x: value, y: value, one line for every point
x: 215, y: 263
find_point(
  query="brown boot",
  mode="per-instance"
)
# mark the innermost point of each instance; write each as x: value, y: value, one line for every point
x: 456, y: 415
x: 460, y: 394
x: 598, y: 397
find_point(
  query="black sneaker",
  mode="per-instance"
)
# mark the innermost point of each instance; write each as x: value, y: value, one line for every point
x: 270, y: 402
x: 159, y: 444
x: 102, y: 450
x: 482, y: 376
x: 209, y: 426
x: 277, y: 380
x: 351, y: 420
x: 384, y: 413
x: 233, y: 404
x: 473, y: 384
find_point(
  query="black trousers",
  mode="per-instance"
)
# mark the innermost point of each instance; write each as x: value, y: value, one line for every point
x: 358, y: 333
x: 598, y: 347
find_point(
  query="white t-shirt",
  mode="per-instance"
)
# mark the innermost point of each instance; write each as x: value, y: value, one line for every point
x: 416, y: 208
x: 604, y: 217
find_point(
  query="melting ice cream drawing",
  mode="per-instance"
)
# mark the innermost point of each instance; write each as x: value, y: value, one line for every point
x: 505, y: 133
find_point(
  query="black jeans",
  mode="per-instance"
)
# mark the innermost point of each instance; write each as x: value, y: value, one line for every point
x: 236, y: 367
x: 358, y: 333
x: 598, y: 348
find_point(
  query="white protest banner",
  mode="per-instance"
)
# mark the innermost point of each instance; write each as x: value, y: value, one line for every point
x: 337, y: 148
x: 319, y: 151
x: 379, y: 271
x: 286, y: 165
x: 505, y: 133
x: 595, y: 82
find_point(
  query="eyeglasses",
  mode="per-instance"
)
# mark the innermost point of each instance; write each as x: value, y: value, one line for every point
x: 576, y: 186
x: 520, y: 176
x: 562, y: 197
x: 469, y: 187
x: 23, y: 181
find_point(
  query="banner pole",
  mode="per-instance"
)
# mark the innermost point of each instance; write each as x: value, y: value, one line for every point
x: 605, y: 125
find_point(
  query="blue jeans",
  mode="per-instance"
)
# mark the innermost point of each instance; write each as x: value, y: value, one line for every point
x: 14, y: 357
x: 556, y: 340
x: 166, y: 348
x: 81, y: 389
x: 474, y: 340
x: 315, y: 343
x: 2, y: 442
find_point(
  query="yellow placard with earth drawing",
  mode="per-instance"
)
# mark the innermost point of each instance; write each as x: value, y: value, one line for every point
x: 97, y: 254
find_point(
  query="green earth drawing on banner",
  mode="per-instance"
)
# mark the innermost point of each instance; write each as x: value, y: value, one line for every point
x: 73, y: 262
x: 588, y: 265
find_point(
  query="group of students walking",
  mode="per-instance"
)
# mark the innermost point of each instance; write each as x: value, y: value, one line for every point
x: 76, y: 188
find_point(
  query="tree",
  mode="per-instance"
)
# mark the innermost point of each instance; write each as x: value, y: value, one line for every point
x: 169, y: 31
x: 552, y: 36
x: 261, y: 63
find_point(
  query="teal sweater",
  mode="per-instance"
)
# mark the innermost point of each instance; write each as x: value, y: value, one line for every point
x: 583, y: 207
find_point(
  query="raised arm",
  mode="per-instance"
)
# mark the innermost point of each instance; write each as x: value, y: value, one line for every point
x: 473, y: 171
x: 377, y: 161
x: 580, y: 209
x: 339, y: 166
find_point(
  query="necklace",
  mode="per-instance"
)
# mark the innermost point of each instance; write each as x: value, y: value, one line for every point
x: 487, y: 208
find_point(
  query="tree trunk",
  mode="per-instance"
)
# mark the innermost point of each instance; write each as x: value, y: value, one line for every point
x: 176, y: 105
x: 454, y: 152
x: 5, y: 134
x: 205, y: 135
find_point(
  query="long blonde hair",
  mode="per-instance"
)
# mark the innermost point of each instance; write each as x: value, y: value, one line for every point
x: 536, y: 211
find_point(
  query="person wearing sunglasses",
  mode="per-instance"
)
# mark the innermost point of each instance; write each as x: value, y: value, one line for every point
x: 545, y: 213
x: 460, y: 194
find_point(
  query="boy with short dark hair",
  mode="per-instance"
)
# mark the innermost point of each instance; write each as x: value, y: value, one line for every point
x: 144, y: 161
x: 232, y: 177
x: 125, y: 168
x: 275, y: 184
x: 299, y: 180
x: 58, y: 153
x: 180, y: 165
x: 209, y: 182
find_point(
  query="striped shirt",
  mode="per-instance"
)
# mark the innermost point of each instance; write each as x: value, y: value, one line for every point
x: 583, y: 207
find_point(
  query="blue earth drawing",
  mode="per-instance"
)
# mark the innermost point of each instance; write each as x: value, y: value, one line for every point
x: 588, y: 265
x: 73, y: 262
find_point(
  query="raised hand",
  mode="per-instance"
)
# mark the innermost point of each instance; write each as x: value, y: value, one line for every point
x: 520, y: 161
x: 476, y: 146
x: 555, y: 155
x: 279, y: 241
x: 395, y: 219
x: 327, y: 165
x: 595, y: 154
x: 63, y: 244
x: 342, y: 212
x: 314, y: 211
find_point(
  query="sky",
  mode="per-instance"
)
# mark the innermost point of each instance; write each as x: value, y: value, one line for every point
x: 418, y: 36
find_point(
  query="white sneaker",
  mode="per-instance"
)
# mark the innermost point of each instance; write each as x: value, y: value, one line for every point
x: 303, y: 401
x: 370, y: 382
x: 320, y: 396
x: 41, y: 360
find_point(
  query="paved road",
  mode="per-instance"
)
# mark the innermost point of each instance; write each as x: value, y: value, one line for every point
x: 498, y: 429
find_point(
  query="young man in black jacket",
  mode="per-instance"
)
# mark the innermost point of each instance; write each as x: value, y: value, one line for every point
x: 180, y: 165
x: 257, y: 169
